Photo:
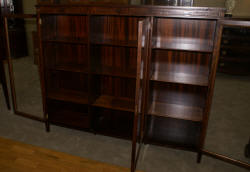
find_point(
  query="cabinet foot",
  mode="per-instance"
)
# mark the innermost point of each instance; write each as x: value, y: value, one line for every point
x: 47, y: 125
x: 199, y: 156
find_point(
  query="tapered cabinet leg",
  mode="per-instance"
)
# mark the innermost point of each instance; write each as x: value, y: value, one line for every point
x: 47, y: 124
x: 4, y: 84
x: 199, y: 156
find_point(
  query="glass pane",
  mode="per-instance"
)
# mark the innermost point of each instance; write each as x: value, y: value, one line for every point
x: 24, y: 54
x: 229, y: 124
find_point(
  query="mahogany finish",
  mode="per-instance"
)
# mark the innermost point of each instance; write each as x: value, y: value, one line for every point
x: 107, y: 65
x: 173, y: 132
x: 182, y: 67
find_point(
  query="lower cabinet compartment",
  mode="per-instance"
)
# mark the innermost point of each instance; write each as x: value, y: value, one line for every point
x: 172, y: 132
x: 69, y: 114
x: 113, y: 122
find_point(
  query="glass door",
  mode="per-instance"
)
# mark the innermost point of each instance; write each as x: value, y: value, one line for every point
x: 144, y: 28
x: 22, y: 40
x: 229, y: 124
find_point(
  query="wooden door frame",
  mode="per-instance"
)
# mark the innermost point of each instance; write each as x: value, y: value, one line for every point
x: 221, y: 24
x: 10, y: 65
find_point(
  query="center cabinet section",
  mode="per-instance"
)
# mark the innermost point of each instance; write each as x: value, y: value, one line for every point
x: 113, y: 54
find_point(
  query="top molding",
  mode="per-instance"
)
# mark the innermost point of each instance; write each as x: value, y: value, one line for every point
x: 132, y: 10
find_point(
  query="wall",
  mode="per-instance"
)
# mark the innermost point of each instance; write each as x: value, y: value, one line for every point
x: 30, y: 25
x: 209, y: 3
x: 242, y: 7
x: 29, y: 6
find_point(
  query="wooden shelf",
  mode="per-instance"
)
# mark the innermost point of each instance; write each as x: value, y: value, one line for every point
x: 70, y: 68
x: 184, y: 95
x: 68, y: 96
x: 113, y: 72
x: 185, y: 44
x: 182, y: 78
x: 115, y: 103
x: 69, y: 114
x: 70, y: 118
x: 101, y: 41
x: 67, y: 40
x: 173, y: 132
x: 107, y: 122
x: 176, y: 111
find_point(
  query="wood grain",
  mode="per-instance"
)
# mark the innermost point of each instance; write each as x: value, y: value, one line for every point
x: 184, y: 34
x: 70, y: 96
x: 173, y: 132
x: 15, y: 156
x: 115, y: 103
x: 176, y: 111
x: 182, y: 78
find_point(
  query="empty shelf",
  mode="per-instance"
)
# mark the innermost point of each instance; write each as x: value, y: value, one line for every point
x: 182, y: 78
x: 173, y: 132
x: 69, y: 40
x: 101, y: 41
x: 70, y: 96
x: 186, y: 44
x: 70, y: 68
x: 114, y: 72
x: 176, y: 111
x: 116, y: 103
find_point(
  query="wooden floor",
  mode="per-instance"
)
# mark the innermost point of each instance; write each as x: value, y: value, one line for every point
x: 19, y: 157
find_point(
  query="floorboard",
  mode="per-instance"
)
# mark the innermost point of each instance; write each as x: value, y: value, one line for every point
x: 16, y: 156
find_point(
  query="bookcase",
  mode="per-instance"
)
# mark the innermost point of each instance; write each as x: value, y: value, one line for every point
x: 144, y: 73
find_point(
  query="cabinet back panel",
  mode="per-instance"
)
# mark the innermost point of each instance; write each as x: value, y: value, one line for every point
x: 64, y: 26
x: 69, y: 114
x: 67, y: 81
x: 166, y: 28
x: 49, y: 54
x: 161, y: 130
x: 114, y: 28
x: 65, y: 55
x: 113, y: 122
x: 184, y: 34
x: 120, y: 59
x: 118, y: 87
x: 48, y: 29
x: 181, y: 62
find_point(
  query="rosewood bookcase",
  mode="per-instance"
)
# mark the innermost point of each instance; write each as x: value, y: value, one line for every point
x: 139, y: 72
